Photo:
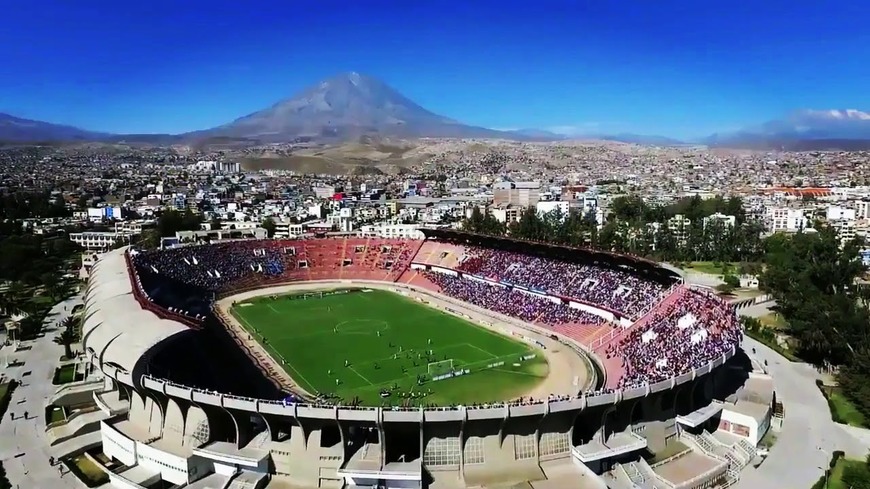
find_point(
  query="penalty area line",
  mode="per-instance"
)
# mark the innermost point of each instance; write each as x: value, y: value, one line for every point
x: 360, y: 375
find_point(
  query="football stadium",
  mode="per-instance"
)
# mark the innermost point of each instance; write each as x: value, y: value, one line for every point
x: 453, y: 361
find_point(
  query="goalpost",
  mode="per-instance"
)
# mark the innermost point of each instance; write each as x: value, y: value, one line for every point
x: 439, y: 368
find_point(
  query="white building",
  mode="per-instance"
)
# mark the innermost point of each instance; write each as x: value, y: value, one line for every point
x: 679, y: 227
x: 504, y: 213
x: 845, y: 230
x: 133, y: 228
x: 99, y: 214
x: 342, y: 219
x: 862, y: 209
x: 726, y: 220
x: 384, y: 230
x: 96, y: 240
x: 545, y: 207
x: 287, y: 229
x: 747, y: 413
x: 839, y: 213
x: 785, y: 219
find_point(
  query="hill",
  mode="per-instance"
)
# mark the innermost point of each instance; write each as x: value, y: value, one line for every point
x: 17, y: 129
x: 345, y: 107
x: 803, y: 130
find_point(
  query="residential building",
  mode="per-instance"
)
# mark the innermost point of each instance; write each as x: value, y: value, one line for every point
x: 404, y: 231
x: 96, y: 240
x: 545, y: 207
x: 523, y: 194
x: 785, y: 219
x: 726, y: 220
x: 505, y: 213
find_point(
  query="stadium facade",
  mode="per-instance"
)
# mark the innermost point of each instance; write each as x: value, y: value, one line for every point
x: 185, y: 402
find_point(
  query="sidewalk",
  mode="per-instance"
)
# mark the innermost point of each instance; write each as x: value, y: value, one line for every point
x: 24, y: 448
x: 808, y: 437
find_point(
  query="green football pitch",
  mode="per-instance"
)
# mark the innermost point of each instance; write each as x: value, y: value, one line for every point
x: 377, y: 348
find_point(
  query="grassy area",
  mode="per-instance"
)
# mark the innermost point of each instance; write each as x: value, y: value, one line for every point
x: 770, y: 341
x: 377, y: 346
x: 768, y: 440
x: 671, y: 449
x: 842, y: 409
x: 66, y: 374
x: 847, y: 474
x: 773, y: 321
x: 88, y: 472
x: 54, y: 414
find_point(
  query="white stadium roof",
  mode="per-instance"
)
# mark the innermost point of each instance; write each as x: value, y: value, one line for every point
x: 116, y: 327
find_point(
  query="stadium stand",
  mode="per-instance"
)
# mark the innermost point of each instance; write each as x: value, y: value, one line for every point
x: 659, y: 345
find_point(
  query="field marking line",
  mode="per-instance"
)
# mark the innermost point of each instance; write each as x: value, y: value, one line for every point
x: 411, y: 350
x: 277, y: 361
x: 360, y: 375
x: 527, y: 374
x: 312, y: 390
x: 481, y: 350
x: 272, y: 308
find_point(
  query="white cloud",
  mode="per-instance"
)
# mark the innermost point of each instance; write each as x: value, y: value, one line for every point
x: 852, y: 114
x: 575, y: 129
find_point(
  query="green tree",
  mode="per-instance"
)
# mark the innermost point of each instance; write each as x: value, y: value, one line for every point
x: 530, y: 226
x: 66, y: 338
x: 69, y: 334
x: 813, y: 280
x: 269, y: 225
x: 483, y: 223
x: 172, y: 221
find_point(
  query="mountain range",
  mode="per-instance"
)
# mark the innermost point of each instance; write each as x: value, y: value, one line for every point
x: 352, y: 105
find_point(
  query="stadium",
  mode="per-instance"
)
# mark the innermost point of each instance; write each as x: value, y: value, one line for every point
x: 458, y: 360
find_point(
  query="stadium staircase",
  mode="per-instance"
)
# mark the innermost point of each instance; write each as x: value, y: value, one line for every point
x: 737, y: 456
x: 619, y: 478
x: 641, y: 476
x: 261, y: 440
x: 247, y: 480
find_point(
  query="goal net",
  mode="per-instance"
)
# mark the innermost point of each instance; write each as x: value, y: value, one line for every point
x: 439, y: 368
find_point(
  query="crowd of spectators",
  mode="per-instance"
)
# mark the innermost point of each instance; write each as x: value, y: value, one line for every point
x: 682, y: 336
x: 613, y: 289
x: 211, y: 267
x: 511, y: 302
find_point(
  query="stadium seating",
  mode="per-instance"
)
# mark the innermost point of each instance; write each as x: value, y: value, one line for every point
x: 611, y: 289
x: 671, y: 332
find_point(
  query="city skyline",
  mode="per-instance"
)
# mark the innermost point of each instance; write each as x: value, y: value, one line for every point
x: 571, y: 68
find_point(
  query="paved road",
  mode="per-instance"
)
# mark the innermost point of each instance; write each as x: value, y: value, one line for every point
x: 24, y: 447
x: 808, y: 436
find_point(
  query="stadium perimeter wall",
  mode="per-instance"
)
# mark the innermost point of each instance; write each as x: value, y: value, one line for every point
x: 579, y: 420
x: 580, y: 402
x: 573, y: 368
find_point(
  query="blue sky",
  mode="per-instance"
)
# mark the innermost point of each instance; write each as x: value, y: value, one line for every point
x: 677, y: 68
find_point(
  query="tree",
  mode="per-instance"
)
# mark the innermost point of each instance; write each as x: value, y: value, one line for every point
x: 66, y: 338
x: 530, y: 226
x: 68, y: 335
x: 732, y: 281
x: 269, y: 225
x: 172, y: 221
x: 483, y: 223
x: 813, y: 280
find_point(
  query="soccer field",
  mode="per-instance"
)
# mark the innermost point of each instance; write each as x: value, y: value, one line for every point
x: 378, y: 347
